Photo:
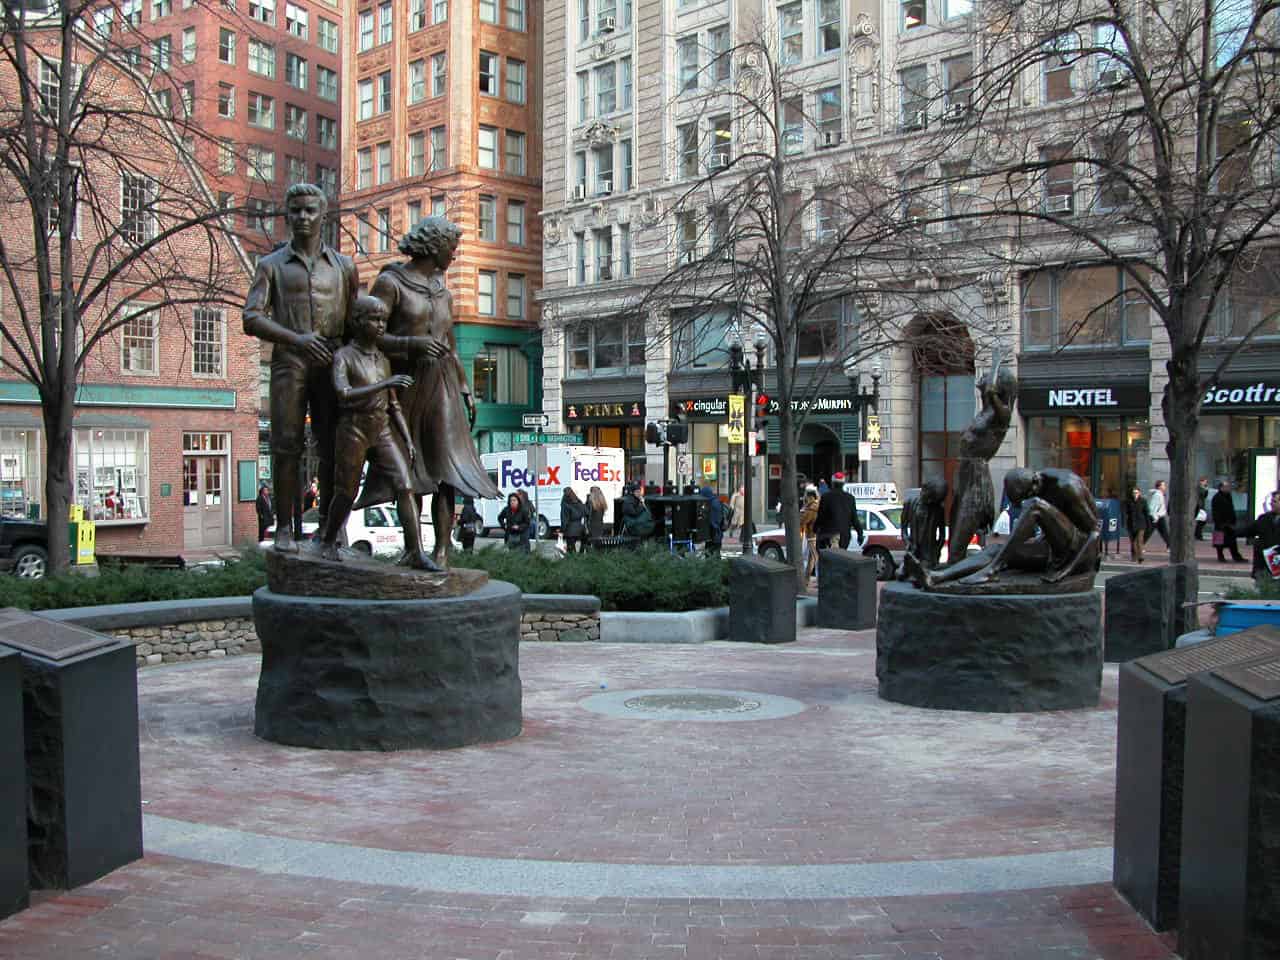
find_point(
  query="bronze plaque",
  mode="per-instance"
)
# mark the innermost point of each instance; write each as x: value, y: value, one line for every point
x: 1174, y: 666
x: 1259, y: 678
x: 49, y: 638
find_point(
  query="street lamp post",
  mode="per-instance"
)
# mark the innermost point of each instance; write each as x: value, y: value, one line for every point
x: 861, y: 401
x: 747, y: 380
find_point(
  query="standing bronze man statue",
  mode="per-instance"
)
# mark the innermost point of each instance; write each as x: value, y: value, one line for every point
x: 299, y: 300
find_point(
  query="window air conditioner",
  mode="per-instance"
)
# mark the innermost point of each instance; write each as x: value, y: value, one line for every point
x: 606, y: 271
x: 1060, y: 203
x: 608, y: 24
x: 719, y: 160
x: 687, y: 256
x: 955, y: 112
x: 830, y: 138
x: 580, y: 191
x: 916, y: 120
x: 604, y: 187
x: 1111, y: 79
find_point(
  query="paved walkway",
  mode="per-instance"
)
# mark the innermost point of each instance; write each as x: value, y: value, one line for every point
x: 662, y: 802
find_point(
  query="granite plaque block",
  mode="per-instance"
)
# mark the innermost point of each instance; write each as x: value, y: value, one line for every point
x: 1141, y: 613
x: 13, y: 788
x: 762, y: 601
x: 80, y: 718
x: 847, y: 594
x: 1150, y: 738
x: 1230, y: 891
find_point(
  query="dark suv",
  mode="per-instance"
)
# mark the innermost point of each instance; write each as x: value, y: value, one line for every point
x: 24, y: 547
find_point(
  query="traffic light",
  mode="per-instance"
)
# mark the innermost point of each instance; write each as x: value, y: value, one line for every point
x: 762, y: 438
x: 653, y: 435
x: 677, y: 433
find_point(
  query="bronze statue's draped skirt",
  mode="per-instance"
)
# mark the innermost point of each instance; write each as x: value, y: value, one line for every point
x: 975, y: 494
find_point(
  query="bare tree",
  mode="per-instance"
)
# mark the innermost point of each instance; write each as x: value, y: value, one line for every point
x: 1140, y: 136
x: 107, y: 220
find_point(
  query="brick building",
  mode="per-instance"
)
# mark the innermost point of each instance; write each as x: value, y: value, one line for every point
x: 442, y: 107
x: 165, y: 433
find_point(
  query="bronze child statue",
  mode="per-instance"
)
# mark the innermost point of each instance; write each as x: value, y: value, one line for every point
x: 369, y: 410
x: 924, y: 528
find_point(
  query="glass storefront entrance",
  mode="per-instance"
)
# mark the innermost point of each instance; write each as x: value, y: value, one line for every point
x: 630, y: 437
x: 1111, y: 454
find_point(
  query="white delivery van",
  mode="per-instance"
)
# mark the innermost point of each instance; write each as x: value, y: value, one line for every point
x: 544, y: 472
x: 372, y: 530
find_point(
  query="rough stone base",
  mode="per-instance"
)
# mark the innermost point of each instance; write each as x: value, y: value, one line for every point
x: 1002, y: 654
x: 762, y: 601
x: 1140, y: 613
x: 389, y: 674
x: 14, y: 894
x: 357, y: 577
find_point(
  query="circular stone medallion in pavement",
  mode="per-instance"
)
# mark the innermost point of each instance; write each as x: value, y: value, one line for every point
x: 692, y: 704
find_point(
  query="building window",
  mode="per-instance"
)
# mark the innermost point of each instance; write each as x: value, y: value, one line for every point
x: 296, y: 20
x: 914, y: 14
x: 263, y: 10
x: 957, y: 76
x: 686, y: 237
x: 440, y: 11
x: 486, y: 281
x: 1231, y: 19
x: 384, y: 162
x: 112, y: 475
x: 584, y: 20
x: 226, y: 157
x: 627, y: 179
x: 515, y: 153
x: 226, y: 45
x: 584, y: 96
x: 956, y: 8
x: 515, y: 296
x: 488, y: 11
x: 327, y: 132
x: 603, y: 238
x: 488, y: 73
x: 1061, y: 55
x: 580, y: 256
x: 363, y: 232
x: 412, y: 213
x: 624, y: 68
x: 326, y: 83
x: 721, y: 151
x: 603, y: 158
x: 417, y: 80
x: 261, y: 163
x: 417, y: 15
x: 721, y: 65
x: 439, y: 149
x: 515, y: 15
x: 791, y: 32
x: 295, y: 71
x: 438, y: 206
x: 609, y: 347
x: 208, y: 336
x: 262, y: 110
x: 488, y: 148
x: 327, y: 180
x: 488, y: 219
x: 20, y: 481
x: 262, y: 59
x: 1083, y: 307
x: 296, y: 123
x: 580, y: 171
x: 828, y: 26
x: 384, y: 91
x: 501, y: 375
x: 385, y: 23
x: 364, y: 101
x: 384, y: 229
x: 687, y: 63
x: 328, y: 36
x: 606, y: 89
x: 137, y: 218
x: 829, y: 116
x: 624, y: 243
x: 915, y: 97
x: 366, y: 30
x: 1059, y: 180
x: 160, y: 9
x: 417, y: 154
x: 793, y: 125
x: 189, y: 45
x: 687, y: 141
x: 138, y: 339
x: 364, y: 168
x: 1113, y: 186
x: 515, y: 223
x: 188, y: 94
x: 226, y: 100
x: 439, y: 73
x: 297, y: 170
x: 515, y: 80
x: 160, y: 50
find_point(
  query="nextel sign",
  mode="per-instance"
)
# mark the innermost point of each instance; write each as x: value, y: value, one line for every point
x: 1086, y: 397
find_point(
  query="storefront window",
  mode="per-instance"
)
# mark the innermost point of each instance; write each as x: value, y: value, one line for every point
x: 1083, y: 307
x: 112, y: 474
x: 629, y: 437
x: 1222, y: 451
x: 702, y: 340
x: 610, y: 347
x: 20, y: 473
x: 946, y: 408
x: 1111, y: 454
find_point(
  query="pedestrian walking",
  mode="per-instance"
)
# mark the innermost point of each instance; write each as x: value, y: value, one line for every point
x: 573, y: 521
x: 808, y: 519
x: 715, y: 521
x: 1202, y: 498
x: 737, y: 513
x: 837, y: 514
x: 1158, y: 508
x: 535, y: 521
x: 1223, y: 510
x: 1266, y: 537
x: 266, y: 512
x: 514, y: 521
x: 469, y: 523
x: 1137, y: 520
x: 597, y: 506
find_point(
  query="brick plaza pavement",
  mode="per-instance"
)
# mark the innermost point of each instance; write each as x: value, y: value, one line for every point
x: 814, y: 822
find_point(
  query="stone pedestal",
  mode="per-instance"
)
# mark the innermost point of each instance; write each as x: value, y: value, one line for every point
x: 847, y: 594
x: 14, y: 885
x: 1143, y: 613
x: 80, y: 719
x: 995, y: 653
x: 389, y: 674
x: 1230, y: 905
x: 762, y: 601
x: 1150, y: 743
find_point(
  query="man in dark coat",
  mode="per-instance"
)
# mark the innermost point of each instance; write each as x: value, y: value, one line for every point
x: 1266, y: 534
x: 837, y: 513
x: 1223, y: 511
x: 266, y: 513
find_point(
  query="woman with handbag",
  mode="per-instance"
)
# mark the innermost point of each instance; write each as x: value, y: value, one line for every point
x: 1136, y: 520
x: 1223, y: 511
x: 573, y: 521
x: 468, y: 524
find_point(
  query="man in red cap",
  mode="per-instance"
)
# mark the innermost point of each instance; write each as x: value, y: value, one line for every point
x: 837, y: 514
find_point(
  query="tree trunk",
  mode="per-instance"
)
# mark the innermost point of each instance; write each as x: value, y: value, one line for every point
x: 1181, y: 407
x: 58, y: 477
x: 790, y: 500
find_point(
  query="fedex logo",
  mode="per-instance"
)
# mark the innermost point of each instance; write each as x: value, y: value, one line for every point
x: 600, y: 473
x: 509, y: 475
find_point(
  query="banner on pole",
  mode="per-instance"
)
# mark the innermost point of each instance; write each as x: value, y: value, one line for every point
x: 737, y: 419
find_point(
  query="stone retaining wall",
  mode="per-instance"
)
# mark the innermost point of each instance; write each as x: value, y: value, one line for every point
x: 192, y: 640
x: 554, y: 625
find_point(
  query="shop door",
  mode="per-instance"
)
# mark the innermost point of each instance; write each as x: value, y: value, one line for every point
x: 204, y: 502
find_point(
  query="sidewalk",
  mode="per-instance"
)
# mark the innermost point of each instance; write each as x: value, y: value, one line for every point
x: 1155, y: 552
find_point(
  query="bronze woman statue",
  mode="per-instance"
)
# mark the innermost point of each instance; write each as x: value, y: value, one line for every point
x: 438, y: 406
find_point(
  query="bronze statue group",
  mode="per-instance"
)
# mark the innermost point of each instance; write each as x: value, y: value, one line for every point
x: 378, y: 373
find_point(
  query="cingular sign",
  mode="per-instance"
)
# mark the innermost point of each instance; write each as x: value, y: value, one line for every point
x: 599, y: 473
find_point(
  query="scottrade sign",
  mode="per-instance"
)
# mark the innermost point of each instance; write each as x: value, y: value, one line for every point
x: 1239, y: 396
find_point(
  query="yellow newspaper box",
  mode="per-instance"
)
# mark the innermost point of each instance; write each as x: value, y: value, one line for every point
x: 82, y: 536
x: 76, y: 513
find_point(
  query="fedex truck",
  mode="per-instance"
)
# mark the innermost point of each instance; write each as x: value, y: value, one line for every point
x: 544, y: 472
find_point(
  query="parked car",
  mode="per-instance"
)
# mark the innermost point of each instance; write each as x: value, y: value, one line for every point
x: 883, y: 543
x: 24, y: 547
x: 373, y: 530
